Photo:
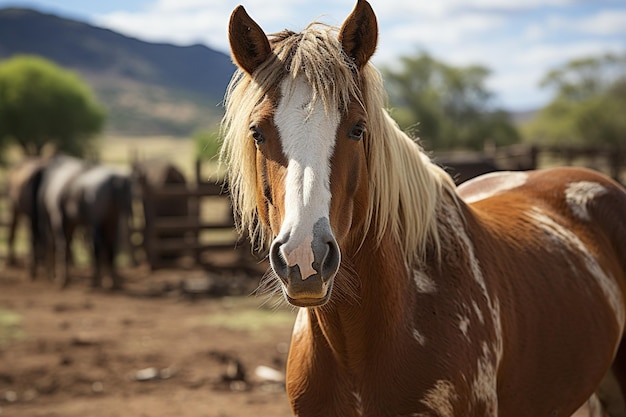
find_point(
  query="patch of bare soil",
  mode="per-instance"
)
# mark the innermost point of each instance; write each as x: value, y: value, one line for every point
x: 161, y: 347
x: 173, y: 343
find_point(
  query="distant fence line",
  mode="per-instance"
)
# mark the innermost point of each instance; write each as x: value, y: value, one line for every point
x: 610, y: 160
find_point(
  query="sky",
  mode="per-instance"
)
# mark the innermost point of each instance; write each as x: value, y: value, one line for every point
x: 518, y: 40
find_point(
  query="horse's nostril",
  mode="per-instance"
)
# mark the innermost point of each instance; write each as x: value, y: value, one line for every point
x: 330, y: 262
x: 279, y: 264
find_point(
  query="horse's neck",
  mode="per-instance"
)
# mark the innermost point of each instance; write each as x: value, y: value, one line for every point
x: 380, y: 307
x: 382, y: 314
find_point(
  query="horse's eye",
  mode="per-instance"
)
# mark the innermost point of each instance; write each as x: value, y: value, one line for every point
x: 257, y: 135
x: 357, y: 132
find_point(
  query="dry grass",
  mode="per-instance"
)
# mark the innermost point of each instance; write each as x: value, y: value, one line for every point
x: 120, y: 150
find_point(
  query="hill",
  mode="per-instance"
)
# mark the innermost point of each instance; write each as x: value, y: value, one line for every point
x: 147, y: 88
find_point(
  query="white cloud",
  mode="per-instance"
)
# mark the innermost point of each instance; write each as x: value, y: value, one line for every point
x: 603, y: 23
x: 516, y: 39
x: 174, y: 26
x: 607, y: 22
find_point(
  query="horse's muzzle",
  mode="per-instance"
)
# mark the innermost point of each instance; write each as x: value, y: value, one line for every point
x: 307, y: 270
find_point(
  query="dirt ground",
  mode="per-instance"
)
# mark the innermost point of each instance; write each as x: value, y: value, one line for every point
x: 162, y: 347
x: 154, y: 349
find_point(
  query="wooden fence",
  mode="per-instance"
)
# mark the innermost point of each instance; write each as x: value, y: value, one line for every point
x: 206, y: 236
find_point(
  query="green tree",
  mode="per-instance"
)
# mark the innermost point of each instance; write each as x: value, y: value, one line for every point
x: 207, y: 145
x: 42, y: 103
x: 589, y: 103
x: 449, y: 107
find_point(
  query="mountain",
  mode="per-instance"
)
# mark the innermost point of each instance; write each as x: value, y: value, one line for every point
x: 147, y: 88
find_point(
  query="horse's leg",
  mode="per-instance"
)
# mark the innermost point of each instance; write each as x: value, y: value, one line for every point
x: 111, y: 239
x: 52, y: 249
x: 63, y: 243
x: 96, y: 246
x: 58, y: 256
x: 110, y: 260
x: 11, y: 240
x: 38, y: 248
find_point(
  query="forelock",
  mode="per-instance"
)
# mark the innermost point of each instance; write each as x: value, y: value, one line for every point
x: 316, y: 54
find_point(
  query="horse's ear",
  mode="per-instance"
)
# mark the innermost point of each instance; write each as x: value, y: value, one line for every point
x: 248, y: 43
x: 359, y: 33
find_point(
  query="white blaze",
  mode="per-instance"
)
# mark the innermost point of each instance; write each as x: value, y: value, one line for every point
x: 307, y: 133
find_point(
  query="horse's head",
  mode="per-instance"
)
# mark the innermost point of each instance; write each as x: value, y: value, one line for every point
x: 304, y: 152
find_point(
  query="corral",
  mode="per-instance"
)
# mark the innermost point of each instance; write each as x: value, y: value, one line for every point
x: 171, y: 343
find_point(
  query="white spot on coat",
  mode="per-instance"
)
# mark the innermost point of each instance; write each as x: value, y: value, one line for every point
x: 484, y: 386
x: 419, y: 337
x: 440, y: 398
x: 464, y: 323
x: 424, y: 283
x: 457, y: 227
x: 563, y: 236
x: 491, y: 184
x: 478, y: 312
x: 579, y: 194
x: 358, y: 403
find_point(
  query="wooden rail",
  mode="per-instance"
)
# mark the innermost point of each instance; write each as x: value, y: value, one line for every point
x: 157, y: 231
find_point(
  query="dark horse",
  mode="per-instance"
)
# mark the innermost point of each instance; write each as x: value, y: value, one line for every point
x: 504, y: 297
x: 75, y: 193
x: 22, y: 188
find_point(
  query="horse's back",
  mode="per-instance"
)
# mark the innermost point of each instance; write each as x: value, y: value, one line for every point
x: 101, y: 189
x: 57, y: 175
x: 579, y: 198
x: 559, y: 258
x: 579, y: 209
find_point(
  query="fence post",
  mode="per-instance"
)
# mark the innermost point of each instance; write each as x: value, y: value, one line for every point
x: 615, y: 157
x: 149, y: 229
x: 534, y: 156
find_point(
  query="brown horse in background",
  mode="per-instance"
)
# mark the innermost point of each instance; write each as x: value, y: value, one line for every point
x: 505, y: 297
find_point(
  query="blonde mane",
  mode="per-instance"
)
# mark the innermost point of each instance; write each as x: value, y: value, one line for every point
x: 405, y: 186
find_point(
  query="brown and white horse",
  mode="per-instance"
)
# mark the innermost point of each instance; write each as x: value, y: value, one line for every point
x: 502, y: 298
